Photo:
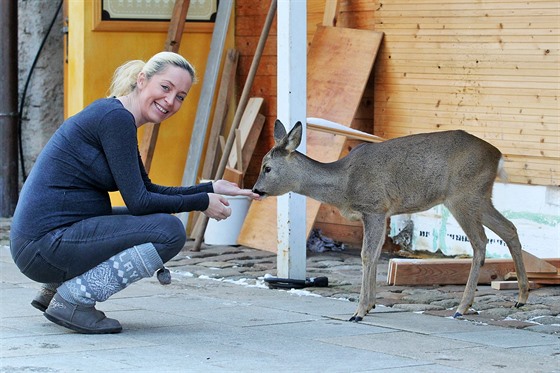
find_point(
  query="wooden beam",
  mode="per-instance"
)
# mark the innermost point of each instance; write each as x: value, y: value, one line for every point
x: 222, y: 106
x: 448, y: 271
x: 206, y: 98
x: 330, y: 16
x: 172, y: 43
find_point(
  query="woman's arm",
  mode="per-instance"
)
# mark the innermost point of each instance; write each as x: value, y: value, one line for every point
x: 118, y: 138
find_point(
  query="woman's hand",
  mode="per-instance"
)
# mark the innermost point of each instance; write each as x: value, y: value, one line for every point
x: 218, y: 207
x: 228, y: 188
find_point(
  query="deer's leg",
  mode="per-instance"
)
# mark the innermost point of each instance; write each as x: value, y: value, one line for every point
x: 470, y: 220
x: 507, y: 232
x: 375, y: 227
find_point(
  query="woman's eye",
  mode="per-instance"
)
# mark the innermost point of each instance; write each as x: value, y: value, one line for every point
x: 181, y: 98
x: 165, y: 88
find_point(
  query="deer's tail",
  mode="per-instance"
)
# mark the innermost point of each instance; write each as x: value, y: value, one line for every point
x: 502, y: 174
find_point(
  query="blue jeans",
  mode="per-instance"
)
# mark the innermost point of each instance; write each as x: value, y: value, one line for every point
x: 70, y: 251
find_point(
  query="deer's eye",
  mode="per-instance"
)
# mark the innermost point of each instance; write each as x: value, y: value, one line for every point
x: 267, y: 169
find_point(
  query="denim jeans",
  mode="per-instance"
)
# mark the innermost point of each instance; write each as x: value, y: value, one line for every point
x: 70, y: 251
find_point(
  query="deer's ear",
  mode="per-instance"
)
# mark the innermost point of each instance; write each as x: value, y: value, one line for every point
x: 279, y: 131
x: 294, y: 137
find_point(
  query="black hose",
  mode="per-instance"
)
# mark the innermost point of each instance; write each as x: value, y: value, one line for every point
x: 24, y: 93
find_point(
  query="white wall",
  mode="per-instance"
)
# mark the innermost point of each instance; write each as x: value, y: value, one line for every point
x: 535, y: 211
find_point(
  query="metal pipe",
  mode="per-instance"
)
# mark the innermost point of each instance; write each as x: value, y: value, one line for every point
x: 8, y: 107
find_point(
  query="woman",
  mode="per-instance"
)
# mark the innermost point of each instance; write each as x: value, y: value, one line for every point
x: 66, y: 235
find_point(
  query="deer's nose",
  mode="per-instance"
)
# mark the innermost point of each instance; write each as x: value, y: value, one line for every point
x: 259, y: 192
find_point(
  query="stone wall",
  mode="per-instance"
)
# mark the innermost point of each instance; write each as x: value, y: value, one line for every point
x: 43, y: 109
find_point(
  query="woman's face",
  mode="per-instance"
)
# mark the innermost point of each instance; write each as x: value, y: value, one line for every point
x: 162, y: 95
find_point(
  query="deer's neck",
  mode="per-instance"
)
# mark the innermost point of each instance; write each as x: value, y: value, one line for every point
x: 324, y: 182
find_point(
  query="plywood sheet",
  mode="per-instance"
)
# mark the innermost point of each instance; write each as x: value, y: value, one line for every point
x: 340, y: 61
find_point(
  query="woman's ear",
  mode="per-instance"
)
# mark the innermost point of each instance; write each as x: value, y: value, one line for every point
x: 141, y: 80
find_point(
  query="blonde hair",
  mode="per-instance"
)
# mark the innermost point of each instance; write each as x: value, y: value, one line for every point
x: 125, y: 76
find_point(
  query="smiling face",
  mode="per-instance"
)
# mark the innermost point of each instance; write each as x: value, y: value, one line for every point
x: 162, y: 96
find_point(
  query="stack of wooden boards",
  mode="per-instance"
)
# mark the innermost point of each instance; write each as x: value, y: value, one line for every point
x: 500, y: 273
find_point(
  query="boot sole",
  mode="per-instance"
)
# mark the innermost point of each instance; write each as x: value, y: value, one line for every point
x: 40, y: 306
x: 80, y: 329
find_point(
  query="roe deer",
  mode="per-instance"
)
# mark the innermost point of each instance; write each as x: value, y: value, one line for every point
x: 403, y: 175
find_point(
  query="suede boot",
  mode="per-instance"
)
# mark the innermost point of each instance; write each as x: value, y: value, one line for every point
x: 73, y: 306
x: 80, y: 318
x: 44, y: 296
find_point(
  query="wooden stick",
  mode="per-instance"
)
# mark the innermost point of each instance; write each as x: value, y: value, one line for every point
x: 324, y: 125
x: 240, y: 109
x: 174, y: 33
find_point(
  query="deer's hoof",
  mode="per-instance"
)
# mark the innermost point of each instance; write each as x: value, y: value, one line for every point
x: 519, y: 305
x: 457, y: 315
x: 356, y: 318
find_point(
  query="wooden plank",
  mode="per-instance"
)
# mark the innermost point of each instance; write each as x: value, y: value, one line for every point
x: 448, y: 271
x: 245, y: 128
x: 537, y: 265
x: 330, y: 14
x: 494, y: 73
x: 334, y: 93
x: 220, y: 112
x: 510, y: 285
x: 251, y: 141
x: 172, y: 43
x: 206, y: 98
x: 233, y: 175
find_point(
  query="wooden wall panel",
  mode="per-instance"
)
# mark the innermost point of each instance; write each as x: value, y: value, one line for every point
x: 489, y: 67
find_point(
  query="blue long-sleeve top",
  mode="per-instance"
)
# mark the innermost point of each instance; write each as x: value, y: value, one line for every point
x: 93, y: 153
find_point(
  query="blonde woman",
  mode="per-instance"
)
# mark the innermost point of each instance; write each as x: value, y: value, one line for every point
x: 65, y: 233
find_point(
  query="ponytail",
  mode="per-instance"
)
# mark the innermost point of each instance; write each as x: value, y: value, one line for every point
x: 124, y: 78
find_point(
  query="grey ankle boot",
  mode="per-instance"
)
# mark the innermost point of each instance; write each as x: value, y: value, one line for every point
x: 83, y: 319
x: 44, y: 296
x: 73, y: 306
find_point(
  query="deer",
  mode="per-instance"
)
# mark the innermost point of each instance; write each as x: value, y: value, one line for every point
x: 403, y: 175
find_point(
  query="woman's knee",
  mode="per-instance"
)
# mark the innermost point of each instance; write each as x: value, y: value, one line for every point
x: 175, y: 237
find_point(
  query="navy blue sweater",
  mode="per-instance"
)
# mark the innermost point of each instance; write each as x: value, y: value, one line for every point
x: 92, y: 153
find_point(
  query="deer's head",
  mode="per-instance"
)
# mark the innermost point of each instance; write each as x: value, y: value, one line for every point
x: 279, y: 174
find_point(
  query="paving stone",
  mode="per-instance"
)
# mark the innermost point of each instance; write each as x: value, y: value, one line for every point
x: 547, y: 320
x: 416, y: 307
x: 447, y: 303
x: 498, y: 313
x: 511, y: 323
x: 549, y: 329
x: 427, y: 297
x: 216, y: 264
x: 528, y: 315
